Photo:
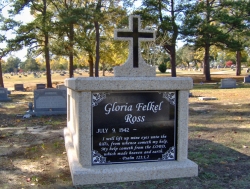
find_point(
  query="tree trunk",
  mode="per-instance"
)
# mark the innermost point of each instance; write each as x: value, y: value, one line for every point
x: 1, y: 74
x: 47, y: 60
x: 206, y: 68
x: 170, y: 48
x: 238, y: 63
x: 97, y: 48
x: 91, y: 65
x: 172, y: 60
x: 173, y: 43
x: 46, y: 48
x: 103, y: 69
x: 172, y: 52
x: 71, y: 55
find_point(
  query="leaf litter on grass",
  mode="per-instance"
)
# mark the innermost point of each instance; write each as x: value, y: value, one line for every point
x: 218, y: 142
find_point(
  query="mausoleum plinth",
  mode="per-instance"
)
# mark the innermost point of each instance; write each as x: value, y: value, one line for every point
x: 130, y: 127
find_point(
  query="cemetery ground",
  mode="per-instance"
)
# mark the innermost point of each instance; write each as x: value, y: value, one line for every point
x: 32, y: 152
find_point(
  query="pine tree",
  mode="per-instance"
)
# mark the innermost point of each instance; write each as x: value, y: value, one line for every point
x: 201, y: 28
x: 164, y: 15
x: 36, y: 34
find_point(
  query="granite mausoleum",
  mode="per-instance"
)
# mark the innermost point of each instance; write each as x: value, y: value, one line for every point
x: 130, y: 127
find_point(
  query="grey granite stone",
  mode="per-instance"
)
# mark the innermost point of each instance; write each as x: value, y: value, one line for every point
x: 128, y: 83
x: 49, y: 102
x: 79, y: 131
x: 228, y: 83
x: 61, y: 86
x: 247, y: 79
x: 82, y: 175
x: 4, y: 95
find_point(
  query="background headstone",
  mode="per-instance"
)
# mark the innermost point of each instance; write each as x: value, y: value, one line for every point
x: 4, y: 95
x: 40, y: 86
x: 228, y: 83
x: 247, y: 79
x: 61, y: 86
x: 50, y: 102
x: 18, y: 87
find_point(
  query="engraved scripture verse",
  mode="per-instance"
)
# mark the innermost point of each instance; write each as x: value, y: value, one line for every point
x: 133, y: 148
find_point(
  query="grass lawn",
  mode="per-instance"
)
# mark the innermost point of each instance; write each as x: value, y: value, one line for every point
x: 32, y: 152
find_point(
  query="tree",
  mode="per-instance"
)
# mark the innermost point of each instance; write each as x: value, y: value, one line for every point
x: 231, y: 55
x: 30, y: 65
x: 81, y: 28
x: 229, y: 63
x: 103, y: 12
x: 237, y: 22
x: 153, y: 52
x: 13, y: 64
x: 35, y: 34
x: 68, y: 18
x: 164, y: 16
x: 201, y: 28
x: 3, y: 52
x: 186, y: 55
x: 117, y: 52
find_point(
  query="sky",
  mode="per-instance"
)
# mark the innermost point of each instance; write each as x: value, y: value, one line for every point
x: 24, y: 17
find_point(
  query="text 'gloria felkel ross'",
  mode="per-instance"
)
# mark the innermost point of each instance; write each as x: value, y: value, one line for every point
x: 150, y: 106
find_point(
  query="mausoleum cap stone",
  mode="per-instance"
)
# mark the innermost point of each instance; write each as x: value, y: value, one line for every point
x: 129, y: 83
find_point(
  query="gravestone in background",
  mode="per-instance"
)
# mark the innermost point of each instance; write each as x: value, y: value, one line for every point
x: 61, y: 86
x: 40, y: 86
x: 50, y: 102
x: 130, y: 127
x: 4, y: 95
x: 18, y: 87
x: 228, y: 83
x: 247, y: 79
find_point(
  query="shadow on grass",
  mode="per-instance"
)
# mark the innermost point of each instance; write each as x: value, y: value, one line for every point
x: 217, y: 85
x: 219, y: 167
x: 220, y: 113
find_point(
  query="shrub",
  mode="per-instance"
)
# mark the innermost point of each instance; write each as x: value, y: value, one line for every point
x: 162, y: 67
x: 229, y: 63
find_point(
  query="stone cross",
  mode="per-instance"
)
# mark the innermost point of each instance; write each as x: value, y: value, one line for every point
x: 134, y: 35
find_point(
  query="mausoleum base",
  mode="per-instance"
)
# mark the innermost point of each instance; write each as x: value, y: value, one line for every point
x: 125, y: 172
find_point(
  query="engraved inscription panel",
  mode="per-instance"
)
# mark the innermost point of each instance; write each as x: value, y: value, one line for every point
x: 50, y: 102
x: 133, y: 127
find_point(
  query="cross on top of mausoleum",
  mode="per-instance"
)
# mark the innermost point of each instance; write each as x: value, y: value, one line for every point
x: 134, y: 35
